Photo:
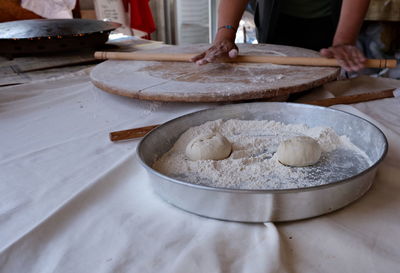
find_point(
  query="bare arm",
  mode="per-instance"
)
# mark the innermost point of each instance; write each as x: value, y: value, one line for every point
x: 229, y: 13
x: 343, y: 46
x: 350, y: 21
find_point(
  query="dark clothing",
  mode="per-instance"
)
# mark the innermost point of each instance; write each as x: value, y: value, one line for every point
x: 307, y: 33
x: 276, y: 28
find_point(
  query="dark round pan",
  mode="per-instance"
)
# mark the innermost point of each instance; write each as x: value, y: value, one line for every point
x: 53, y: 35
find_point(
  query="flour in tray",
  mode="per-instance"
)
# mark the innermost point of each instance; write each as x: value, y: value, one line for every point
x: 253, y: 164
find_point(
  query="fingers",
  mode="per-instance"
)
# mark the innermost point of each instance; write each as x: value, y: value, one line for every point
x: 326, y: 53
x: 197, y: 57
x: 358, y: 56
x: 219, y: 49
x: 233, y: 53
x: 348, y: 57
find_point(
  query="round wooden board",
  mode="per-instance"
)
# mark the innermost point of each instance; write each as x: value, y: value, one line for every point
x: 216, y: 82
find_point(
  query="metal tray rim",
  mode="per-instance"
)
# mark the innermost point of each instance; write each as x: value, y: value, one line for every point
x: 260, y: 191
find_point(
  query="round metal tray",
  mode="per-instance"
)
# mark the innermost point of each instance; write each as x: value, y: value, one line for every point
x: 264, y: 205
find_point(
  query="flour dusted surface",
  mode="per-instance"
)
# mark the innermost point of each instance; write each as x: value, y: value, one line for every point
x: 253, y: 164
x: 185, y: 81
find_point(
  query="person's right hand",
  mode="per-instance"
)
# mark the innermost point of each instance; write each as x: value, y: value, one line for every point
x: 220, y: 48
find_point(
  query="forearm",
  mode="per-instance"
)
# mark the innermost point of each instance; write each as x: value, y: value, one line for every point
x: 350, y: 21
x: 229, y: 13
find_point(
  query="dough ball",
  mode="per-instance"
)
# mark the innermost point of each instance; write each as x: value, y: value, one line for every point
x: 299, y: 151
x: 212, y: 146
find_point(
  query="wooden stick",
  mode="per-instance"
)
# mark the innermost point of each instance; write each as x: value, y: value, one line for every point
x: 131, y: 133
x: 353, y: 98
x: 142, y: 131
x: 178, y: 57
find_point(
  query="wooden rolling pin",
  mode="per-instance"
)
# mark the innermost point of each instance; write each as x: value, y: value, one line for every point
x: 142, y: 131
x: 178, y: 57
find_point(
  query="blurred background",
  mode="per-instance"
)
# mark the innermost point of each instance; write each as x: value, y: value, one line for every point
x: 195, y: 21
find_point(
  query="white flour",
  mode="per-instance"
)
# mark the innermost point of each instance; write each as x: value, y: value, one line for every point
x: 253, y: 164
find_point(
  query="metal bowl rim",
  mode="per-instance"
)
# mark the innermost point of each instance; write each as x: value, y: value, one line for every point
x: 262, y: 191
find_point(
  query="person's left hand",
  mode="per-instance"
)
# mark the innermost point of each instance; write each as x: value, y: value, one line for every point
x: 349, y: 57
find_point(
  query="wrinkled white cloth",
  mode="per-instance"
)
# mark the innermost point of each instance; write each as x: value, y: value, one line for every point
x: 50, y: 9
x: 72, y: 201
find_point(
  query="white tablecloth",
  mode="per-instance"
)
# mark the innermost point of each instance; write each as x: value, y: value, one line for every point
x: 72, y: 201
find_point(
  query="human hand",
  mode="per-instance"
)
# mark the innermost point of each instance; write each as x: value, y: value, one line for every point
x: 220, y: 48
x: 349, y: 57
